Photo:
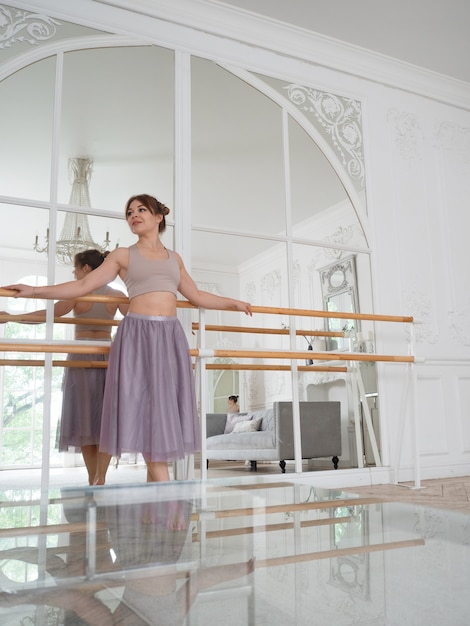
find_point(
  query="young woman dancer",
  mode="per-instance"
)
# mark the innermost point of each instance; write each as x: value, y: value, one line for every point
x: 149, y: 401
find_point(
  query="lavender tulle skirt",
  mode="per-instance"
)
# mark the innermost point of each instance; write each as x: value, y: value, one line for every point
x: 82, y: 403
x: 149, y: 401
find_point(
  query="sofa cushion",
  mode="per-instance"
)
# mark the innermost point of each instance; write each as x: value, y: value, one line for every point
x: 235, y: 418
x: 247, y: 426
x: 267, y: 415
x: 260, y: 440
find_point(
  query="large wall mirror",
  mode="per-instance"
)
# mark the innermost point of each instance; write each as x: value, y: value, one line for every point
x: 276, y: 190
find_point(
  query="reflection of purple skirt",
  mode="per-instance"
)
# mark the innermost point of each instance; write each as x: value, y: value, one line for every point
x: 150, y: 401
x: 140, y: 534
x: 82, y: 403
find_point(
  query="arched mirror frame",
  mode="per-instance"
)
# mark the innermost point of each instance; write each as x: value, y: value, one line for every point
x: 26, y: 59
x: 313, y: 132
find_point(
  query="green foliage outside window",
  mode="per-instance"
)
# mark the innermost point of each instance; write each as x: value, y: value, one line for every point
x: 23, y: 401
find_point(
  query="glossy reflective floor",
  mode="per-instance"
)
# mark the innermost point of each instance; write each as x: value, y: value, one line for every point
x: 228, y: 551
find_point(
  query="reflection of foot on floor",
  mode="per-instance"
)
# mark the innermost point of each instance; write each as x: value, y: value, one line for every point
x: 151, y: 513
x: 173, y: 514
x: 176, y: 519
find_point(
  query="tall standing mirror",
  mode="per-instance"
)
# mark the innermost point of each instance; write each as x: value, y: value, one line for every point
x: 339, y: 289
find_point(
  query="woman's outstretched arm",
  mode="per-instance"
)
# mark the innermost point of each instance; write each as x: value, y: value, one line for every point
x: 99, y: 277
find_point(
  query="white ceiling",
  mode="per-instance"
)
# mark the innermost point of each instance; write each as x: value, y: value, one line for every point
x: 432, y: 34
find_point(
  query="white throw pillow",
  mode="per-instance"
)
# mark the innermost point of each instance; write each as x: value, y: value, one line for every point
x: 250, y: 426
x: 234, y: 418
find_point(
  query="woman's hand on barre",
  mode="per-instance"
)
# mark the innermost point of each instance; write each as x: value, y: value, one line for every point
x: 22, y: 291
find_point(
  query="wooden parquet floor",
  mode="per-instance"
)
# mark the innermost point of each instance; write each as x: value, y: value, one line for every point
x: 450, y: 493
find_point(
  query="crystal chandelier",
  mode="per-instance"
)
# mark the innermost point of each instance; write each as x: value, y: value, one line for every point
x: 75, y: 235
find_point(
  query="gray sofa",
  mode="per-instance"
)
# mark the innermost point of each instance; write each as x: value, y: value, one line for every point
x: 320, y: 427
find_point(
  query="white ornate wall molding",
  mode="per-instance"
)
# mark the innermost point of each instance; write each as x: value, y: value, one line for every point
x: 18, y: 27
x: 455, y: 141
x: 347, y: 236
x: 188, y: 22
x: 210, y: 287
x: 225, y: 344
x: 297, y: 280
x: 321, y: 378
x: 344, y: 236
x: 419, y: 304
x: 275, y: 385
x: 408, y: 135
x: 339, y: 120
x: 271, y: 286
x: 459, y: 325
x: 250, y: 292
x: 255, y: 389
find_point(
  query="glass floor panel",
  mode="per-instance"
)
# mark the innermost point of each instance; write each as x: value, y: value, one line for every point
x: 228, y: 551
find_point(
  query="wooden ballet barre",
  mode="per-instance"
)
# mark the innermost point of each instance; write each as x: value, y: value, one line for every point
x: 268, y: 331
x: 330, y: 554
x: 307, y: 354
x: 54, y: 348
x: 9, y: 293
x: 275, y: 368
x: 49, y: 529
x: 250, y: 486
x: 58, y: 320
x: 319, y: 313
x: 55, y: 363
x: 335, y: 315
x: 195, y: 352
x: 284, y: 508
x: 210, y: 366
x: 249, y: 530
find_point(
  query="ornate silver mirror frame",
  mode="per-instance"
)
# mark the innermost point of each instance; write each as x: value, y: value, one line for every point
x: 339, y: 291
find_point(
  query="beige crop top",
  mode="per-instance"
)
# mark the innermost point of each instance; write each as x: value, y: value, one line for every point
x: 98, y: 310
x: 145, y: 275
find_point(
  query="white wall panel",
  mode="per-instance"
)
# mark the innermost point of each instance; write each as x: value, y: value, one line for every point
x: 463, y: 412
x: 434, y: 437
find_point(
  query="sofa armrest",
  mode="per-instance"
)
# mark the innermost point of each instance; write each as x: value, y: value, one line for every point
x: 320, y: 427
x: 215, y: 424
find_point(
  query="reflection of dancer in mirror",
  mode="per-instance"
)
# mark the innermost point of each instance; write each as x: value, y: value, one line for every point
x: 143, y: 534
x: 83, y: 387
x: 232, y: 405
x: 147, y: 548
x: 150, y: 402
